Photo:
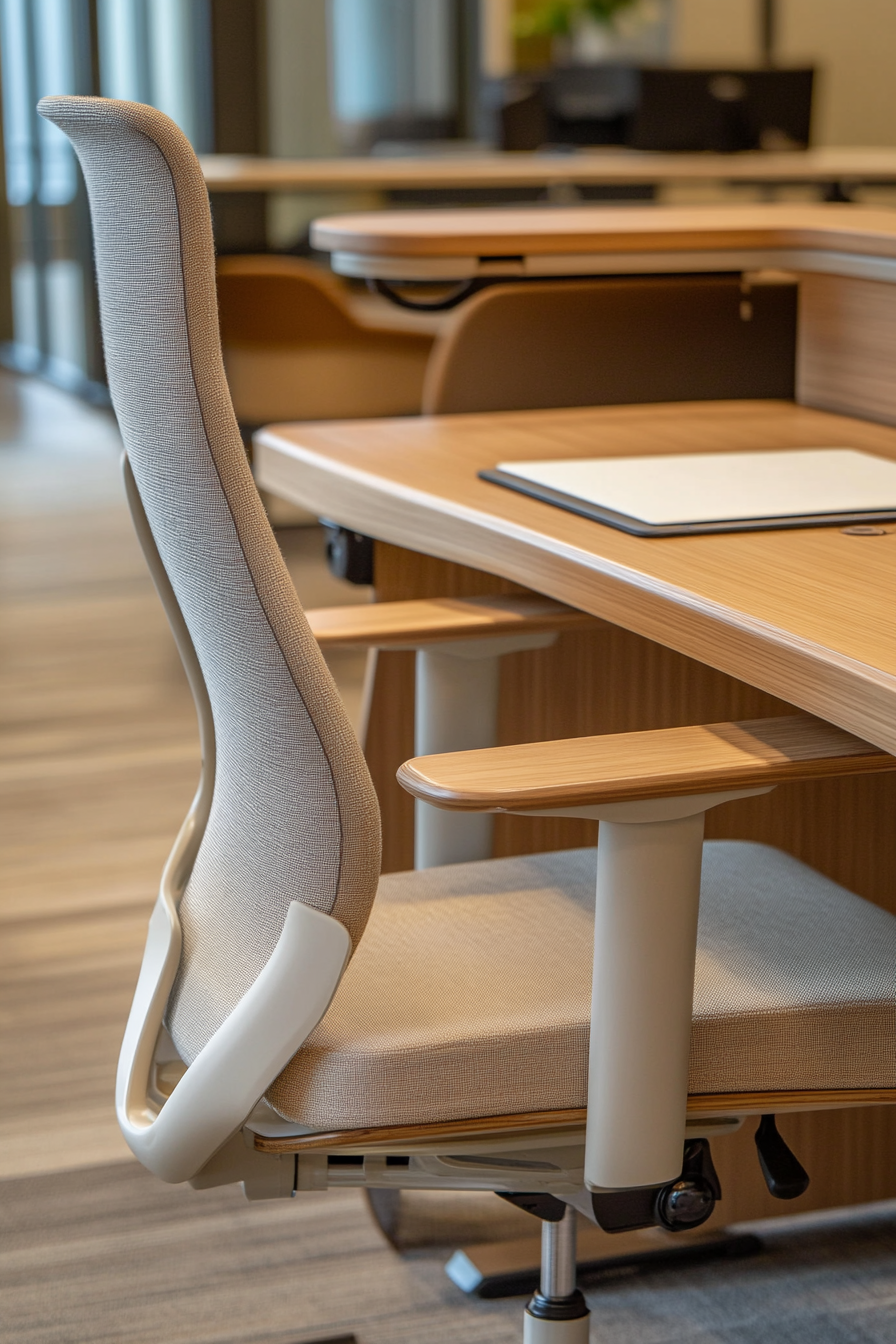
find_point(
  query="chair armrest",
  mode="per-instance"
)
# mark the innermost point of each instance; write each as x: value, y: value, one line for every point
x: 625, y: 767
x: 650, y: 791
x: 413, y: 624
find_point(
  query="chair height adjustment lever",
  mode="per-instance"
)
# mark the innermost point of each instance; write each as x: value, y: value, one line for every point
x: 784, y: 1175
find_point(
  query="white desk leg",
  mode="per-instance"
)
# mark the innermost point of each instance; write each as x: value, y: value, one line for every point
x: 457, y: 710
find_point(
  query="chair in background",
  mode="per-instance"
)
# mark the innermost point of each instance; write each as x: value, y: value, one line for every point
x: 294, y: 349
x: 526, y: 346
x: 301, y: 1023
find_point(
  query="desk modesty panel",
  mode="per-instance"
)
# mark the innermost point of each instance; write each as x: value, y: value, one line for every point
x: 805, y: 615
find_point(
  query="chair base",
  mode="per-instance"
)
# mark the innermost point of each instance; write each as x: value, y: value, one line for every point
x: 511, y: 1268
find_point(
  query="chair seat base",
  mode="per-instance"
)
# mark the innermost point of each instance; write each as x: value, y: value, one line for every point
x: 700, y: 1110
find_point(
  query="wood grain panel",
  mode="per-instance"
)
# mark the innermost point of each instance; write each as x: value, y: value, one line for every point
x: 846, y: 348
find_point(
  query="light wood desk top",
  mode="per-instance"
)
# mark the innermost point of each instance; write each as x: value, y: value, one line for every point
x: 590, y: 167
x: 411, y: 244
x: 808, y: 615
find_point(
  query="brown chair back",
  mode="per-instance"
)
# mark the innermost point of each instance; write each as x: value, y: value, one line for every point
x: 295, y: 350
x: 536, y: 344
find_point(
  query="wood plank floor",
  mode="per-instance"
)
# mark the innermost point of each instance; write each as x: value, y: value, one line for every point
x: 98, y: 762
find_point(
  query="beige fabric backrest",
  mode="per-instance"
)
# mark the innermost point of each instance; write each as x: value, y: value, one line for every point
x: 294, y: 815
x: 523, y: 346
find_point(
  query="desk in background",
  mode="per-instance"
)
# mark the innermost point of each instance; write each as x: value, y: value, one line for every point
x: 845, y: 257
x: 835, y: 170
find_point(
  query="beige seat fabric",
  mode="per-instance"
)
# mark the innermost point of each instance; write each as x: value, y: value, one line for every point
x: 470, y: 992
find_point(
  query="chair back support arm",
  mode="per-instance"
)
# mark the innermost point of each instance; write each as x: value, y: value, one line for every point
x: 238, y: 1064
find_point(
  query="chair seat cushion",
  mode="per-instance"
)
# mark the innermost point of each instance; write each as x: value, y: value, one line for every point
x: 470, y: 992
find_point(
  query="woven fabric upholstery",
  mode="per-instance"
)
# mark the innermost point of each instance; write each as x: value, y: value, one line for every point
x: 470, y: 994
x: 294, y: 816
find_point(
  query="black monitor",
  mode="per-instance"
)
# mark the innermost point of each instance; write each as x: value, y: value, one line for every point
x: 722, y: 110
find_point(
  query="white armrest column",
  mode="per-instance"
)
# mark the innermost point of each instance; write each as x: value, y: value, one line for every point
x: 645, y: 943
x: 457, y: 710
x: 649, y: 859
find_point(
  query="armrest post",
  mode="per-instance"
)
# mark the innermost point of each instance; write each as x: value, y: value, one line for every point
x: 645, y: 942
x: 456, y: 709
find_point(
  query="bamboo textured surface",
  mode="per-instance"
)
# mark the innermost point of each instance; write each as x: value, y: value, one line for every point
x: 665, y: 763
x: 805, y: 615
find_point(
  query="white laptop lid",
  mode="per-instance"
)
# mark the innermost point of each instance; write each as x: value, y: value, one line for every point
x: 695, y: 488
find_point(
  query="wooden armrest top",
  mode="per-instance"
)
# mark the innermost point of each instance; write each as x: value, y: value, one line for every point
x: 624, y: 767
x: 437, y: 619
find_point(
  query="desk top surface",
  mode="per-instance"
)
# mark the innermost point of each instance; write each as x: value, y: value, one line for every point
x: 231, y: 172
x: 808, y: 615
x: 506, y: 233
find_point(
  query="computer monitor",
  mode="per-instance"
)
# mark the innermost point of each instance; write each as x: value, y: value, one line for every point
x: 722, y: 110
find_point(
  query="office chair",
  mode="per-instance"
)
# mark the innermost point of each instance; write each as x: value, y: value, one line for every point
x: 516, y: 347
x: 299, y: 1022
x: 294, y: 350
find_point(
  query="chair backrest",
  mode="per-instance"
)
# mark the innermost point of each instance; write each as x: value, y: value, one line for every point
x: 274, y: 300
x: 612, y: 341
x: 294, y: 815
x: 295, y: 350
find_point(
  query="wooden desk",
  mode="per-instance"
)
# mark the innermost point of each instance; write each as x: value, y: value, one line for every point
x: 844, y: 255
x: 848, y: 240
x: 807, y: 615
x: 840, y: 167
x: 698, y: 629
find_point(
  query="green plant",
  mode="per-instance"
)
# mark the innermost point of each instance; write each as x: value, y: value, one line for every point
x: 556, y: 18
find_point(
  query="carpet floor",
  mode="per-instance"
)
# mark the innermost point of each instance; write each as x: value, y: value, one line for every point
x: 110, y: 1254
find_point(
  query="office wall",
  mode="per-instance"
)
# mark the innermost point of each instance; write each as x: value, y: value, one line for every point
x: 852, y: 42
